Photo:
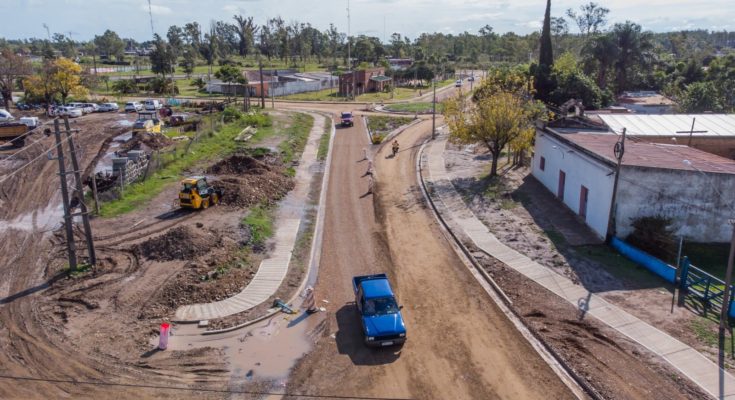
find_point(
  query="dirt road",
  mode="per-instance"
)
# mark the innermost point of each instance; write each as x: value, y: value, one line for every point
x: 460, y: 344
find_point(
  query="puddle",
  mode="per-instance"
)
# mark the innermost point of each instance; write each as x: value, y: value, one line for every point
x: 46, y: 219
x: 266, y: 350
x: 105, y: 162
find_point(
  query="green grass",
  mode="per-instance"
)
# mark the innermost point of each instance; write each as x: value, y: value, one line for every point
x: 209, y: 147
x: 380, y: 125
x: 709, y: 257
x: 296, y: 136
x: 321, y: 154
x: 421, y: 107
x: 260, y: 221
x: 321, y: 95
x: 617, y: 264
x: 706, y: 331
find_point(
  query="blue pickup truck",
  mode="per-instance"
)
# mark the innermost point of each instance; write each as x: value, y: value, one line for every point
x: 380, y: 314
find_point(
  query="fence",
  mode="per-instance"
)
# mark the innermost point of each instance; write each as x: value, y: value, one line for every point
x: 694, y: 282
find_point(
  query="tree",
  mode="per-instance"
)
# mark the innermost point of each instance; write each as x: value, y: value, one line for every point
x: 175, y: 36
x: 633, y: 45
x: 110, y: 45
x: 125, y: 86
x: 246, y: 31
x: 494, y: 121
x: 41, y: 83
x: 544, y: 82
x: 67, y: 78
x: 701, y: 97
x: 591, y: 18
x: 231, y: 74
x: 600, y: 54
x: 163, y: 58
x: 12, y: 68
x: 188, y: 62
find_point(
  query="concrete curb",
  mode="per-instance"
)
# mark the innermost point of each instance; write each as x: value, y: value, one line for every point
x: 316, y: 250
x: 564, y: 371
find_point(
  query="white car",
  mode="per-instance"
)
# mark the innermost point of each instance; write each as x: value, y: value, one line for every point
x: 458, y: 83
x: 107, y: 107
x: 94, y: 107
x: 133, y: 106
x: 5, y: 116
x: 69, y: 111
x: 84, y: 107
x: 152, y: 105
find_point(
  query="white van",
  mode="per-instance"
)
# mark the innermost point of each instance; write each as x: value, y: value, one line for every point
x: 5, y: 116
x: 152, y: 105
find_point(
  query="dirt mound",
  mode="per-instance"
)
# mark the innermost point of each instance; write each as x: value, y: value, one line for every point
x: 153, y: 141
x: 180, y: 243
x: 254, y: 189
x: 241, y: 164
x: 249, y: 180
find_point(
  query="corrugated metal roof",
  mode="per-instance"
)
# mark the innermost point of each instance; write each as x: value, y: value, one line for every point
x: 652, y: 155
x: 670, y: 124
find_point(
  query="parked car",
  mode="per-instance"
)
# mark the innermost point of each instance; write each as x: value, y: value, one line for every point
x: 458, y: 83
x: 471, y: 78
x: 133, y: 106
x: 69, y: 111
x: 94, y: 107
x: 108, y: 107
x: 380, y: 314
x: 152, y: 105
x: 5, y: 116
x: 81, y: 106
x: 30, y: 122
x: 347, y: 119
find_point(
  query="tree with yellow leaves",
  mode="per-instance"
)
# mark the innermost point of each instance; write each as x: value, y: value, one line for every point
x: 495, y: 121
x: 62, y: 76
x: 68, y: 79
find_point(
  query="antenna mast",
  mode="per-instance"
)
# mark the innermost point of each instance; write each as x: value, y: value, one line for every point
x: 150, y: 14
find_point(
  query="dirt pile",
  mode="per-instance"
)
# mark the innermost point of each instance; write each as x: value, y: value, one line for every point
x: 153, y: 141
x: 180, y: 243
x: 252, y: 180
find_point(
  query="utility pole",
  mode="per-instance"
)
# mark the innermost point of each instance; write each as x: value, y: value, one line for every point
x: 349, y: 59
x: 80, y: 195
x: 262, y: 93
x: 433, y: 113
x: 691, y: 132
x: 70, y: 245
x: 619, y: 150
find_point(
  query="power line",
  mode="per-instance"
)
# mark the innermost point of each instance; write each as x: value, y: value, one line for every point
x: 17, y: 170
x: 192, y: 389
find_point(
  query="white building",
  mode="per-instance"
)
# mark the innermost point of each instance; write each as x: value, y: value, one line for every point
x: 693, y: 188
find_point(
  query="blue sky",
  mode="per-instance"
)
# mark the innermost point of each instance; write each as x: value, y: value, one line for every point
x: 84, y: 18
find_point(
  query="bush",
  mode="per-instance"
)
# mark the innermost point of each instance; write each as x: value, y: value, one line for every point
x: 654, y: 236
x: 231, y: 114
x: 258, y: 120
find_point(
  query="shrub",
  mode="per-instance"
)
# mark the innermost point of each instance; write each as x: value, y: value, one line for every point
x: 231, y: 114
x: 258, y: 120
x: 654, y: 236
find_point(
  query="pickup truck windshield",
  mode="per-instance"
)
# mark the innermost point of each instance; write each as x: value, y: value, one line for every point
x: 346, y: 115
x: 381, y: 306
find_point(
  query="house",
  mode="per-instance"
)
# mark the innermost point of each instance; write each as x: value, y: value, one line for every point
x: 693, y: 188
x: 646, y: 102
x: 278, y: 83
x: 362, y: 81
x: 713, y: 133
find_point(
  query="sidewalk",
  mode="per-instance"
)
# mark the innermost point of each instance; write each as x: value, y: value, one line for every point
x: 688, y: 361
x: 273, y: 270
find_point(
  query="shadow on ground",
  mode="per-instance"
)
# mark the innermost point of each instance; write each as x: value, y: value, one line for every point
x: 349, y: 339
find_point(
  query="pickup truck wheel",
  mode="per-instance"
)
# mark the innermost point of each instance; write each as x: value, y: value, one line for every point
x: 205, y: 204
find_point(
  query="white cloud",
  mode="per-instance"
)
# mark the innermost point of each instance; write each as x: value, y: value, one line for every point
x: 156, y: 9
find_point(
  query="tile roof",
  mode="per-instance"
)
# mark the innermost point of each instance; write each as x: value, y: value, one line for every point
x: 652, y: 155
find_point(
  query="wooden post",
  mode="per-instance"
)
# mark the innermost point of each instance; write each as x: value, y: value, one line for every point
x: 94, y: 194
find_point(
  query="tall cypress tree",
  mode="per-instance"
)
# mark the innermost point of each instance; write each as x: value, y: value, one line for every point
x: 544, y: 81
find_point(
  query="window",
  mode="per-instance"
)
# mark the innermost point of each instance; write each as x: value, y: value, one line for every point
x: 583, y: 195
x: 542, y: 164
x: 560, y: 189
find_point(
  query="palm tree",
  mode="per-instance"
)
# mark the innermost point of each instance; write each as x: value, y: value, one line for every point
x: 633, y: 46
x: 600, y: 54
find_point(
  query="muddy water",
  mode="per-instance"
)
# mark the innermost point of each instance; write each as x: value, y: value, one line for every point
x: 266, y: 350
x: 105, y: 162
x: 43, y: 219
